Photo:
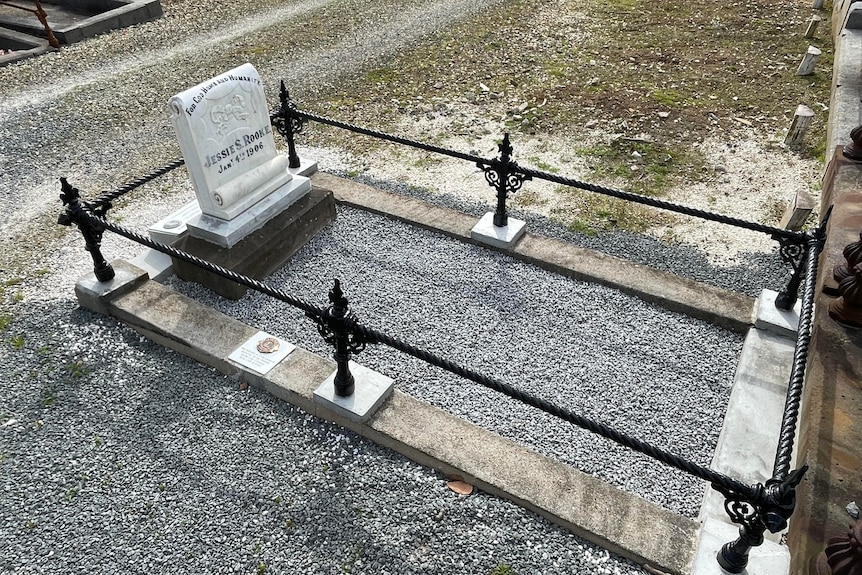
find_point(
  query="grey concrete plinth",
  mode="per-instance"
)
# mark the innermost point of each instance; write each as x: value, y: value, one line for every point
x: 228, y: 233
x: 157, y: 264
x: 306, y: 168
x: 770, y: 318
x: 261, y: 252
x: 372, y: 389
x: 501, y: 237
x: 94, y: 295
x: 171, y: 228
x: 766, y: 559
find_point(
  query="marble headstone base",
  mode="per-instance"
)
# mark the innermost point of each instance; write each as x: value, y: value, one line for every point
x: 262, y: 251
x: 227, y: 233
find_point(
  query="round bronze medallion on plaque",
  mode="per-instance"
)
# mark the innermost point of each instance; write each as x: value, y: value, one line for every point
x: 268, y: 345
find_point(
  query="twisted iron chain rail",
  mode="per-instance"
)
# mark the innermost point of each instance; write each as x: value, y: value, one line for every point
x: 108, y: 197
x: 670, y: 206
x: 373, y: 336
x: 613, y: 192
x: 309, y: 309
x: 787, y: 436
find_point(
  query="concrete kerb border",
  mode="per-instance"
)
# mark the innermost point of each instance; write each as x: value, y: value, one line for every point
x: 618, y: 521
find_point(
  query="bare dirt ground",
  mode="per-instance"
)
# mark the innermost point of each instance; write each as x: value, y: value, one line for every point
x: 688, y: 102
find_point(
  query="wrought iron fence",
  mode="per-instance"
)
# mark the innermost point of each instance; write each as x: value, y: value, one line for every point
x: 756, y: 508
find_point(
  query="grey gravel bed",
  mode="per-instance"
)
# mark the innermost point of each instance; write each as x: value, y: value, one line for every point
x: 758, y: 271
x: 661, y: 376
x: 117, y: 456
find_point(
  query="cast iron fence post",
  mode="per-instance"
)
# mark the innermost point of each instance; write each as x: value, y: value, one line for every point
x: 288, y: 122
x: 792, y: 252
x: 336, y: 327
x: 76, y: 212
x: 770, y: 508
x: 505, y: 176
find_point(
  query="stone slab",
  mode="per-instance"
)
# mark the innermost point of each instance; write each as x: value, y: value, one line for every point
x: 71, y: 23
x: 372, y: 388
x: 749, y: 435
x: 228, y: 233
x: 500, y: 237
x: 172, y: 227
x: 157, y: 264
x: 261, y: 252
x: 94, y: 295
x: 768, y: 558
x: 778, y: 321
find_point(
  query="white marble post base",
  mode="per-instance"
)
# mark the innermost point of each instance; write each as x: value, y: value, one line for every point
x: 486, y: 232
x: 770, y: 318
x: 227, y: 233
x: 371, y: 390
x: 306, y: 168
x: 768, y: 558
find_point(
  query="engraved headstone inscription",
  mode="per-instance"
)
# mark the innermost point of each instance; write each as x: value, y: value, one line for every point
x: 224, y: 131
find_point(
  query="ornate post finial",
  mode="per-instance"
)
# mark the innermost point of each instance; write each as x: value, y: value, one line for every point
x: 854, y: 149
x: 77, y: 212
x: 336, y: 326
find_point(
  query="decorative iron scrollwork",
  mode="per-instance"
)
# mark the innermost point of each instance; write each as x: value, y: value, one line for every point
x: 76, y: 212
x: 769, y: 508
x: 792, y: 252
x: 505, y: 176
x: 288, y: 122
x: 336, y: 328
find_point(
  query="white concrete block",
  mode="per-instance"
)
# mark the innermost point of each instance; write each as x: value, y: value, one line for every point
x: 770, y: 318
x: 485, y: 231
x: 173, y: 227
x: 306, y: 167
x: 157, y: 265
x: 768, y: 558
x: 371, y: 390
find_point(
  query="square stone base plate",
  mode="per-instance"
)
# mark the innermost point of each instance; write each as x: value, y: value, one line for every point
x: 486, y: 232
x: 371, y: 390
x: 778, y: 321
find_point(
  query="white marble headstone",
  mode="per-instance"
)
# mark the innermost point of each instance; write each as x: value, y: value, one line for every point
x: 225, y: 134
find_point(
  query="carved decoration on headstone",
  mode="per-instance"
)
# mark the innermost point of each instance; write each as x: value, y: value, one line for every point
x: 843, y: 555
x: 225, y: 134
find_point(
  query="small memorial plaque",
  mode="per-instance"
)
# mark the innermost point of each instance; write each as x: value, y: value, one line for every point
x: 225, y: 134
x: 261, y: 353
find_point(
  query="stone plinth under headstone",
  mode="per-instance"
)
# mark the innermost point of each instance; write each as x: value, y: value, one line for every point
x: 261, y: 252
